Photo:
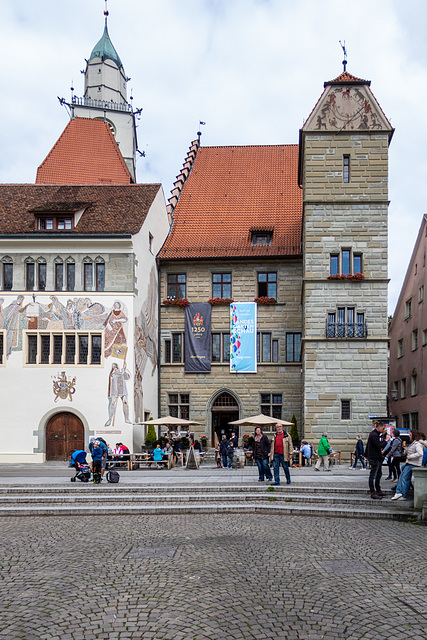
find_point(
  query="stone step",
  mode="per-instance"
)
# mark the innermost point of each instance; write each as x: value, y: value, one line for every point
x: 271, y: 509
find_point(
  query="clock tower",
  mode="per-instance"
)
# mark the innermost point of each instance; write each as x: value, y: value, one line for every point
x: 105, y: 97
x: 343, y: 171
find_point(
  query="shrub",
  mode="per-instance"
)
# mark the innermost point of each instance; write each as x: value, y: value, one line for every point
x: 151, y: 437
x: 293, y: 432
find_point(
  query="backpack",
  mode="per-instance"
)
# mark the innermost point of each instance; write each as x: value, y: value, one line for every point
x: 113, y: 476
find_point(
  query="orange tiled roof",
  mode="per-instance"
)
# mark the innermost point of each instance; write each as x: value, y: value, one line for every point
x: 108, y: 209
x: 85, y: 153
x: 232, y: 192
x: 344, y: 77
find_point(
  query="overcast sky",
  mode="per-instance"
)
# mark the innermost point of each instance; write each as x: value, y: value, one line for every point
x: 251, y: 69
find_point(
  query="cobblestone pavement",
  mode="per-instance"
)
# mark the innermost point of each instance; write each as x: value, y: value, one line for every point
x: 211, y: 577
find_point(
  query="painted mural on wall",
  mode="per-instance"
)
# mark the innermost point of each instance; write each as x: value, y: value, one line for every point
x: 62, y: 388
x: 346, y: 108
x: 145, y: 343
x: 117, y: 392
x: 77, y: 314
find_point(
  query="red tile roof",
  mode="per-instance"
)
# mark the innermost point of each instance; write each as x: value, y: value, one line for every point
x: 85, y: 153
x: 109, y: 209
x: 232, y: 192
x: 346, y: 77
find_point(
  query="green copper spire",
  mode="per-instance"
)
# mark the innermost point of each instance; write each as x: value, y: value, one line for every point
x: 104, y: 48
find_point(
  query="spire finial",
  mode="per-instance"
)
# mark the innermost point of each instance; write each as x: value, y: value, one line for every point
x: 106, y: 11
x: 344, y: 62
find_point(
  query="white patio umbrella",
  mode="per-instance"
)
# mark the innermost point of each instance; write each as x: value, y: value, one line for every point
x: 171, y: 421
x: 260, y: 421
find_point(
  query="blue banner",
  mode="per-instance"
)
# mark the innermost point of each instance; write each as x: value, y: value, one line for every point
x: 197, y: 352
x: 243, y: 333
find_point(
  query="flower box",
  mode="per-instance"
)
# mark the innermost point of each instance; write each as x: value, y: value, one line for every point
x: 355, y: 277
x: 216, y: 301
x: 176, y: 302
x: 265, y: 300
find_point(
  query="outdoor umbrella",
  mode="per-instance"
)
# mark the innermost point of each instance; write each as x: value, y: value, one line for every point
x: 260, y: 421
x: 171, y: 421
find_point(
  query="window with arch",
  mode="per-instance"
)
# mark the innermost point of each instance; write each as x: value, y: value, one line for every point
x: 41, y: 274
x: 30, y: 274
x: 7, y: 273
x: 87, y: 274
x: 59, y: 274
x: 99, y: 273
x: 70, y: 268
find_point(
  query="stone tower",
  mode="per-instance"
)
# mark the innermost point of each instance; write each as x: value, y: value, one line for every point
x: 344, y: 174
x: 105, y: 97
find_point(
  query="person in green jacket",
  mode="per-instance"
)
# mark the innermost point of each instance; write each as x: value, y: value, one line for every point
x: 323, y: 451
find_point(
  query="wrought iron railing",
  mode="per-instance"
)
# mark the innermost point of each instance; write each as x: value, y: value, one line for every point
x: 101, y: 104
x: 346, y: 329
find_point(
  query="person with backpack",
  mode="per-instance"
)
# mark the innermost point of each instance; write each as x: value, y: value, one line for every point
x: 359, y: 453
x: 97, y: 453
x: 395, y: 456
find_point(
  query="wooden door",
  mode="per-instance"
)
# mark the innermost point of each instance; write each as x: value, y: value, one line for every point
x: 64, y: 432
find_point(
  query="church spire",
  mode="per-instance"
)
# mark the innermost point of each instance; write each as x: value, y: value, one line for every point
x: 104, y: 49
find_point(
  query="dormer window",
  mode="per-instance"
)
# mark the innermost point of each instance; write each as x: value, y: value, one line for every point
x: 55, y: 223
x: 261, y: 238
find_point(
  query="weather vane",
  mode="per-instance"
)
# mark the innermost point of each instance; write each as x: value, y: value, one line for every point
x: 106, y: 9
x: 344, y: 62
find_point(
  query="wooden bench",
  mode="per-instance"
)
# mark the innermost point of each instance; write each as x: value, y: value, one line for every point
x: 137, y: 459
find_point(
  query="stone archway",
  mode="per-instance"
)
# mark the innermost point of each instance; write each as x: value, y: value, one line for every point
x: 225, y: 409
x: 64, y: 432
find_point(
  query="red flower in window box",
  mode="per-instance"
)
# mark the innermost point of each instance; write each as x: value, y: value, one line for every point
x: 265, y: 300
x: 214, y: 301
x: 355, y: 277
x: 176, y: 302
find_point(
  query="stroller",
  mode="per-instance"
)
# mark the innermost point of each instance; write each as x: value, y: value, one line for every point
x: 78, y: 461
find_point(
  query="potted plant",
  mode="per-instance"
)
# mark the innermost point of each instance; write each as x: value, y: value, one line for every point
x: 204, y: 440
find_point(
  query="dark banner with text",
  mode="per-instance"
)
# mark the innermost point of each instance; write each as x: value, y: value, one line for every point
x: 198, y: 337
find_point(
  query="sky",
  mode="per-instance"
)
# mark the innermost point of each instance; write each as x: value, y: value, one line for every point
x: 252, y: 70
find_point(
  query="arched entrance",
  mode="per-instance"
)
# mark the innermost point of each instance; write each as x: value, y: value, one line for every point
x: 64, y: 432
x: 224, y: 410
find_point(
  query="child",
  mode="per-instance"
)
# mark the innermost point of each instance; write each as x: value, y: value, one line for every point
x: 218, y: 457
x: 97, y: 457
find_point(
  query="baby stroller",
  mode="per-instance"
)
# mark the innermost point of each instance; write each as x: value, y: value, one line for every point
x: 78, y: 461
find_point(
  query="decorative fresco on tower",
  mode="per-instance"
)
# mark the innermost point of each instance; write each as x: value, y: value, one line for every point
x: 145, y: 347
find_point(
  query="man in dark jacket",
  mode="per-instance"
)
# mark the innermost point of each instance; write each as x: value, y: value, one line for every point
x: 262, y: 448
x: 223, y: 451
x: 374, y: 456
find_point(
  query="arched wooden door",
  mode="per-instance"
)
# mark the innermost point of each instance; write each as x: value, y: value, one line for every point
x: 64, y: 432
x: 224, y: 410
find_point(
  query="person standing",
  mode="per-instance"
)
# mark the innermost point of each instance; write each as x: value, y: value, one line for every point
x: 230, y: 453
x: 97, y: 454
x: 306, y: 452
x: 223, y: 450
x: 414, y: 457
x: 359, y: 452
x: 395, y: 455
x: 234, y: 439
x: 373, y: 453
x: 323, y: 451
x: 262, y: 447
x: 281, y: 454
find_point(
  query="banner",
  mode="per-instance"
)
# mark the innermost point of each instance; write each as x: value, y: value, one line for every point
x: 243, y: 336
x: 197, y: 354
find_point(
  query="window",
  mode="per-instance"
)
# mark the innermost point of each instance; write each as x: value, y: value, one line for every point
x: 216, y: 347
x: 424, y: 337
x: 71, y: 276
x: 55, y: 223
x: 220, y: 347
x: 176, y: 286
x: 400, y: 348
x: 271, y: 404
x: 100, y: 275
x: 345, y: 323
x: 174, y: 348
x: 267, y: 348
x: 2, y: 344
x: 267, y: 285
x: 345, y: 409
x: 29, y: 275
x: 68, y: 347
x: 414, y: 420
x: 335, y: 264
x: 346, y: 262
x: 410, y: 420
x: 41, y: 275
x: 403, y: 388
x: 421, y: 294
x: 7, y: 274
x: 221, y: 285
x: 150, y: 242
x: 414, y: 384
x: 59, y: 276
x: 415, y: 340
x: 346, y: 169
x: 87, y: 276
x: 293, y: 347
x: 408, y: 308
x: 261, y: 238
x: 179, y: 405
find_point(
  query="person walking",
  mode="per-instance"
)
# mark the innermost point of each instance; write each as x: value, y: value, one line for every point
x: 373, y: 453
x: 223, y: 450
x: 395, y: 456
x: 323, y: 451
x: 307, y: 452
x: 414, y: 457
x: 359, y: 452
x: 281, y: 454
x: 262, y: 447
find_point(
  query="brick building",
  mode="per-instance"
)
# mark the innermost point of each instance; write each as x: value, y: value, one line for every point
x: 307, y: 226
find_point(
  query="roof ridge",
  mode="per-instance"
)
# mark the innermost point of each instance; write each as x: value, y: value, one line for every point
x: 182, y: 177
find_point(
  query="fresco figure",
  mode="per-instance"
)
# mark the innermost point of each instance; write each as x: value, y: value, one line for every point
x: 145, y: 343
x: 12, y: 315
x: 117, y: 390
x: 114, y: 331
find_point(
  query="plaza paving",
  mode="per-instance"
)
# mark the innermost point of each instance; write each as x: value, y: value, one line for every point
x: 196, y: 577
